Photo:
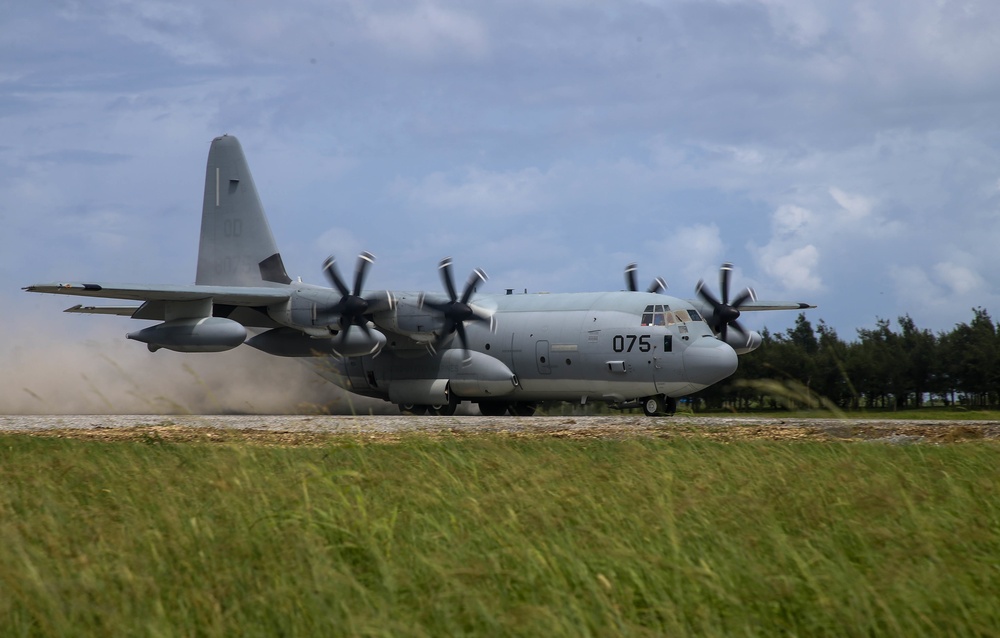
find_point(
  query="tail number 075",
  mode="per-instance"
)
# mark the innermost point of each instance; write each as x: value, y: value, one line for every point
x: 626, y: 343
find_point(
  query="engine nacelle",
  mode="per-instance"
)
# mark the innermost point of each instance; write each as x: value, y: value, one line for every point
x: 408, y: 317
x: 475, y: 375
x: 195, y: 334
x: 289, y: 342
x: 743, y: 343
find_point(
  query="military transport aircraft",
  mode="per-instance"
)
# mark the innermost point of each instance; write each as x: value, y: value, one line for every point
x: 429, y: 352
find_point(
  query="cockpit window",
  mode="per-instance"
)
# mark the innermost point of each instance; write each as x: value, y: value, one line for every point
x: 657, y: 315
x: 694, y: 315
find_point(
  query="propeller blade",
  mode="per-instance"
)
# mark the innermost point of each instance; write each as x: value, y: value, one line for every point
x: 658, y: 284
x: 470, y: 286
x: 365, y: 260
x: 630, y: 280
x: 739, y: 328
x: 379, y: 301
x: 330, y: 269
x: 445, y: 268
x: 630, y: 276
x: 725, y: 314
x: 746, y: 295
x: 460, y: 330
x: 724, y: 275
x: 706, y: 294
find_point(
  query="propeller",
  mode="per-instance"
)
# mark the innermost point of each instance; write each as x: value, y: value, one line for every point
x: 725, y: 314
x: 352, y: 307
x: 657, y: 285
x: 457, y: 310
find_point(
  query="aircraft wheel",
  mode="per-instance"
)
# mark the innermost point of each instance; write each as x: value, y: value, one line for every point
x: 412, y: 408
x: 445, y: 409
x: 493, y: 408
x: 654, y: 406
x: 522, y: 409
x: 671, y: 405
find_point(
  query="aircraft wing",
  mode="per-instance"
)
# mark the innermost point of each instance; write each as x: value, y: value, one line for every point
x: 229, y: 295
x: 774, y: 305
x: 241, y: 303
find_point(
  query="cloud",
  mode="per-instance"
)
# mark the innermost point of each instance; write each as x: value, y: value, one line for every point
x: 960, y: 280
x: 341, y: 243
x: 794, y: 269
x: 428, y: 31
x: 174, y: 29
x: 789, y: 220
x: 856, y: 206
x: 703, y: 251
x: 791, y: 257
x: 801, y: 235
x: 480, y: 193
x: 943, y: 291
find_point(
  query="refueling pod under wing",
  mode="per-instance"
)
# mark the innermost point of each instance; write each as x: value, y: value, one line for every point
x: 196, y: 334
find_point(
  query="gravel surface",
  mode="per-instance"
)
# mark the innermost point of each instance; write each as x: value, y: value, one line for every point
x: 314, y: 430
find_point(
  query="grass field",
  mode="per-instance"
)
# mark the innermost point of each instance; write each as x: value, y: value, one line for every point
x: 495, y: 535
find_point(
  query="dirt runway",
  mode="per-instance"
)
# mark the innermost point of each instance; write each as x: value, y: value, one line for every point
x: 317, y: 430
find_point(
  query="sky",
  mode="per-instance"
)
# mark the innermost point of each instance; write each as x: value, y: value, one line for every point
x: 842, y: 153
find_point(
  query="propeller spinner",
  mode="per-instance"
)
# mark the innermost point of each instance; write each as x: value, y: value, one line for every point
x: 725, y: 314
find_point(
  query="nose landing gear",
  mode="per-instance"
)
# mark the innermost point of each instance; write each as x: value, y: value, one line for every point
x: 659, y: 405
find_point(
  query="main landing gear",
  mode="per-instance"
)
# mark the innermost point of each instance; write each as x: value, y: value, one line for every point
x: 656, y: 405
x: 418, y: 409
x: 487, y: 408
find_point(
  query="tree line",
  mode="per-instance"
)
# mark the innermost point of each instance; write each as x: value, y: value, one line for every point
x: 889, y: 366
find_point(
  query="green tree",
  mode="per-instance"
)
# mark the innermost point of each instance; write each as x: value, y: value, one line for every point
x: 972, y: 362
x: 921, y: 370
x: 831, y: 377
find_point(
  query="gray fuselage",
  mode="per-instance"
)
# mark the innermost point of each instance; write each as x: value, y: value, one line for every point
x: 611, y: 346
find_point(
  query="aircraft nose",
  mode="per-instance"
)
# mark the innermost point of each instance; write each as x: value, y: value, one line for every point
x: 708, y: 361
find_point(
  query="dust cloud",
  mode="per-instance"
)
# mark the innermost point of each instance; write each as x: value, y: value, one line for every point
x: 106, y: 374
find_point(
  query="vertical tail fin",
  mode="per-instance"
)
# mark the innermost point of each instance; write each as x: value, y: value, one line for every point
x: 237, y: 247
